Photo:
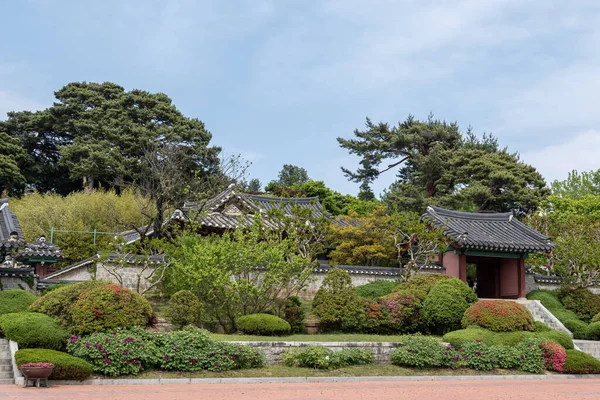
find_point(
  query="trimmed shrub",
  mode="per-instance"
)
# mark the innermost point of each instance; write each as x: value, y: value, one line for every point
x: 320, y: 357
x: 446, y: 304
x: 33, y: 330
x: 375, y: 289
x: 15, y: 300
x: 66, y: 367
x: 549, y: 299
x: 404, y: 309
x: 109, y: 307
x: 583, y: 303
x: 554, y: 356
x: 263, y: 325
x: 499, y: 316
x: 580, y: 363
x: 541, y: 327
x: 561, y: 338
x: 58, y: 303
x: 596, y: 318
x: 337, y: 305
x: 294, y: 314
x: 564, y: 315
x: 418, y: 352
x: 592, y: 331
x: 577, y: 327
x: 473, y: 334
x: 421, y: 284
x: 184, y: 308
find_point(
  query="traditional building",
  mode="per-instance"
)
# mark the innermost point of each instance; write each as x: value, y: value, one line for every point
x: 493, y: 246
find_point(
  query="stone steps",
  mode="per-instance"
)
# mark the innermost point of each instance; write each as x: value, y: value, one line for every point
x: 6, y: 371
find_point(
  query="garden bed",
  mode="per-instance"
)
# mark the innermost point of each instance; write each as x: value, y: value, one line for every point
x: 332, y: 337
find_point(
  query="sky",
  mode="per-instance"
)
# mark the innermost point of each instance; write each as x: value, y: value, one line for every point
x: 278, y: 81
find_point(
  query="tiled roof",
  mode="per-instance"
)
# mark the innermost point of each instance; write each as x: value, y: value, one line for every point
x: 40, y: 248
x: 16, y: 272
x: 366, y: 270
x: 8, y: 225
x: 487, y: 231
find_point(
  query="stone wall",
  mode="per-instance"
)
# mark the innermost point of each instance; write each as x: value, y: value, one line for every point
x: 357, y: 280
x: 590, y: 347
x: 10, y: 282
x: 273, y: 350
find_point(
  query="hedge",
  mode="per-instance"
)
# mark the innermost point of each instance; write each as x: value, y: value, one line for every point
x: 499, y: 316
x: 15, y: 300
x: 33, y: 330
x: 446, y: 303
x: 580, y: 363
x: 66, y: 367
x: 461, y: 337
x: 375, y: 289
x: 263, y: 324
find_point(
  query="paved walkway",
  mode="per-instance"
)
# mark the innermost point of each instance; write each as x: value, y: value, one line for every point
x: 563, y: 389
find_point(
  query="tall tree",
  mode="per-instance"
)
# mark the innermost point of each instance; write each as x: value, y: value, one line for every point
x: 11, y: 155
x: 254, y: 185
x: 291, y: 175
x: 578, y: 185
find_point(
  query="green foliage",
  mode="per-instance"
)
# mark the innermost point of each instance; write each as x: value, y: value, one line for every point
x: 337, y: 305
x: 375, y: 289
x: 16, y: 300
x: 531, y: 355
x: 104, y: 211
x: 66, y: 367
x: 579, y: 362
x: 541, y: 327
x: 337, y: 203
x: 499, y: 316
x: 184, y: 309
x: 291, y: 175
x: 263, y: 325
x: 583, y: 303
x: 58, y: 303
x: 460, y: 337
x: 33, y: 330
x: 405, y: 311
x: 561, y: 338
x: 421, y: 284
x: 592, y: 332
x: 578, y: 185
x: 108, y: 307
x: 596, y: 318
x: 12, y: 155
x: 418, y: 352
x: 577, y: 327
x: 221, y: 270
x: 319, y: 357
x: 294, y: 314
x: 548, y: 299
x: 446, y: 303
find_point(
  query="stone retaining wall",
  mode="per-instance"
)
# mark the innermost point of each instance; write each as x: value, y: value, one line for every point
x: 273, y: 350
x: 590, y: 347
x: 10, y: 282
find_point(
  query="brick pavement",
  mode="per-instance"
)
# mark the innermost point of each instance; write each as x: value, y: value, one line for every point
x: 563, y: 389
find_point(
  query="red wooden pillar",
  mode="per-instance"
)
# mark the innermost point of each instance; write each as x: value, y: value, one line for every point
x: 521, y: 277
x: 462, y: 267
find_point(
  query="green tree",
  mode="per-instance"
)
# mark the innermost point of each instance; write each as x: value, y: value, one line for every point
x: 291, y: 175
x: 254, y: 185
x: 11, y: 155
x: 578, y: 185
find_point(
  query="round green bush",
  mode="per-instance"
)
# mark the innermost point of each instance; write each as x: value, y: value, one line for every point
x: 541, y: 327
x: 33, y: 330
x: 263, y: 324
x: 474, y: 334
x: 593, y: 331
x: 446, y: 304
x: 577, y: 327
x: 58, y: 303
x: 548, y: 298
x: 108, y: 307
x: 564, y: 315
x: 404, y: 309
x: 561, y: 338
x: 580, y: 363
x: 421, y: 284
x: 184, y: 309
x: 375, y: 289
x: 66, y: 367
x: 596, y: 318
x: 583, y: 303
x: 15, y: 300
x: 499, y: 316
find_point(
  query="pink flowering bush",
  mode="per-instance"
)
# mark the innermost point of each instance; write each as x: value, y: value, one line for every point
x: 554, y: 356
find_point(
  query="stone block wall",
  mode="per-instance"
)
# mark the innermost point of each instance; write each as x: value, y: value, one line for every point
x: 129, y: 275
x: 273, y: 350
x: 590, y: 347
x: 11, y: 282
x: 357, y: 280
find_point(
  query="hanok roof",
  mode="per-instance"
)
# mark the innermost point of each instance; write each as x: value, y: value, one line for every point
x: 9, y: 225
x: 42, y: 249
x: 487, y: 231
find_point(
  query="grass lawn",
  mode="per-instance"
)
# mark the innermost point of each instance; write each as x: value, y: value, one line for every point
x: 320, y: 337
x: 359, y: 370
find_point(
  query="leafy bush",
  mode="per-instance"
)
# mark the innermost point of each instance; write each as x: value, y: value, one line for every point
x: 184, y: 308
x: 320, y: 357
x: 418, y: 352
x: 554, y: 356
x: 482, y: 357
x: 421, y: 284
x: 404, y: 309
x: 447, y: 302
x: 592, y: 331
x: 337, y: 305
x: 583, y: 303
x: 548, y: 298
x: 499, y: 316
x: 33, y: 330
x: 460, y: 337
x: 564, y: 315
x: 596, y: 318
x: 577, y: 327
x: 375, y: 289
x: 541, y: 327
x: 294, y: 314
x: 66, y: 367
x: 16, y: 300
x: 578, y: 362
x: 559, y: 337
x: 531, y: 357
x: 263, y: 324
x: 109, y: 307
x: 58, y: 303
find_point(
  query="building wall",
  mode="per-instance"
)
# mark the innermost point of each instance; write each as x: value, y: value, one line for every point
x: 10, y: 282
x: 451, y: 262
x: 509, y: 277
x: 357, y: 280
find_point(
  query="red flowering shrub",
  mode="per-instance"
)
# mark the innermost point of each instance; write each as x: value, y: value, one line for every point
x: 554, y: 356
x: 404, y: 310
x: 499, y: 316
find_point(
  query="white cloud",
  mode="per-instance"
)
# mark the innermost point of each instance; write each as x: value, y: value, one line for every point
x: 580, y: 152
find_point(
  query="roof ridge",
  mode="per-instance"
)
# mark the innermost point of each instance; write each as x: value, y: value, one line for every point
x: 296, y: 199
x: 491, y: 216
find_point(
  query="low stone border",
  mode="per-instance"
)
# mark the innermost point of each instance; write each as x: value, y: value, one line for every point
x: 187, y: 381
